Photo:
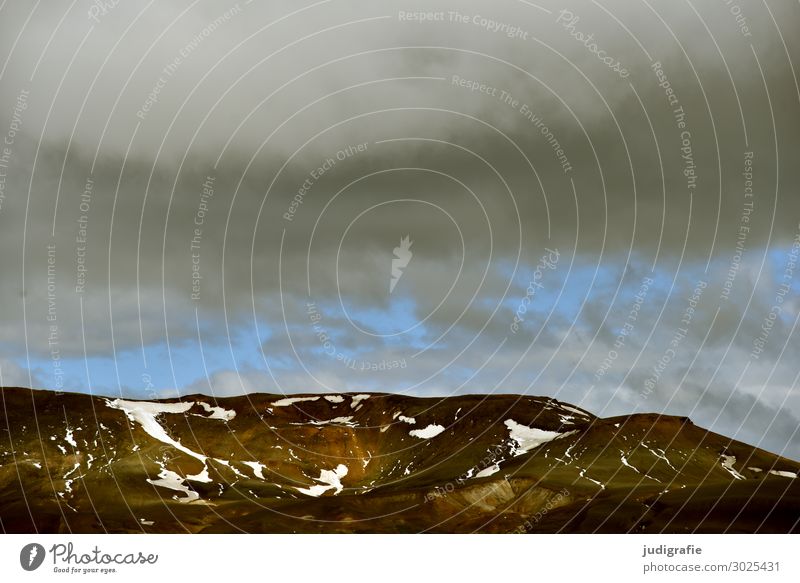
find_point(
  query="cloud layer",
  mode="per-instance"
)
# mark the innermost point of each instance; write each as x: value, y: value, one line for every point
x: 208, y: 197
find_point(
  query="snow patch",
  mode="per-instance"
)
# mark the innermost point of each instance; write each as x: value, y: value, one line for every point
x: 334, y: 398
x: 357, y: 399
x: 292, y: 400
x: 70, y: 439
x: 727, y: 464
x: 172, y: 481
x: 329, y: 479
x: 660, y: 454
x: 783, y: 473
x: 217, y: 412
x: 585, y: 477
x: 68, y: 483
x: 491, y: 470
x: 201, y: 477
x: 624, y: 461
x: 430, y: 431
x: 336, y: 421
x: 574, y: 410
x: 409, y: 420
x: 258, y: 469
x: 230, y: 466
x: 528, y: 438
x: 144, y: 413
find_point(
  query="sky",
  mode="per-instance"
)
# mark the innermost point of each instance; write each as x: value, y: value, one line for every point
x: 596, y: 202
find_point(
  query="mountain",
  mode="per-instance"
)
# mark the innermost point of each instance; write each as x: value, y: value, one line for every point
x: 375, y: 463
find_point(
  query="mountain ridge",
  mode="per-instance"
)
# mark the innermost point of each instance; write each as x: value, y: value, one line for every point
x: 375, y: 462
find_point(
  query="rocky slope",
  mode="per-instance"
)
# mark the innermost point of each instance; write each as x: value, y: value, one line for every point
x: 375, y: 463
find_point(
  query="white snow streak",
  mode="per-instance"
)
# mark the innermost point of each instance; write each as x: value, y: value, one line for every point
x: 258, y: 469
x: 172, y: 481
x: 292, y: 400
x: 430, y: 431
x: 144, y: 413
x: 217, y: 412
x: 491, y: 470
x: 356, y: 400
x: 329, y: 479
x: 528, y: 438
x: 783, y: 473
x: 70, y: 439
x: 727, y: 463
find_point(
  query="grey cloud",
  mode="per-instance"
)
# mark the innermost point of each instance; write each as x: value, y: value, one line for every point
x: 210, y: 108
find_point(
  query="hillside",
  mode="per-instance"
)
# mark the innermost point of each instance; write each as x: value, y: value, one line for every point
x: 375, y: 463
